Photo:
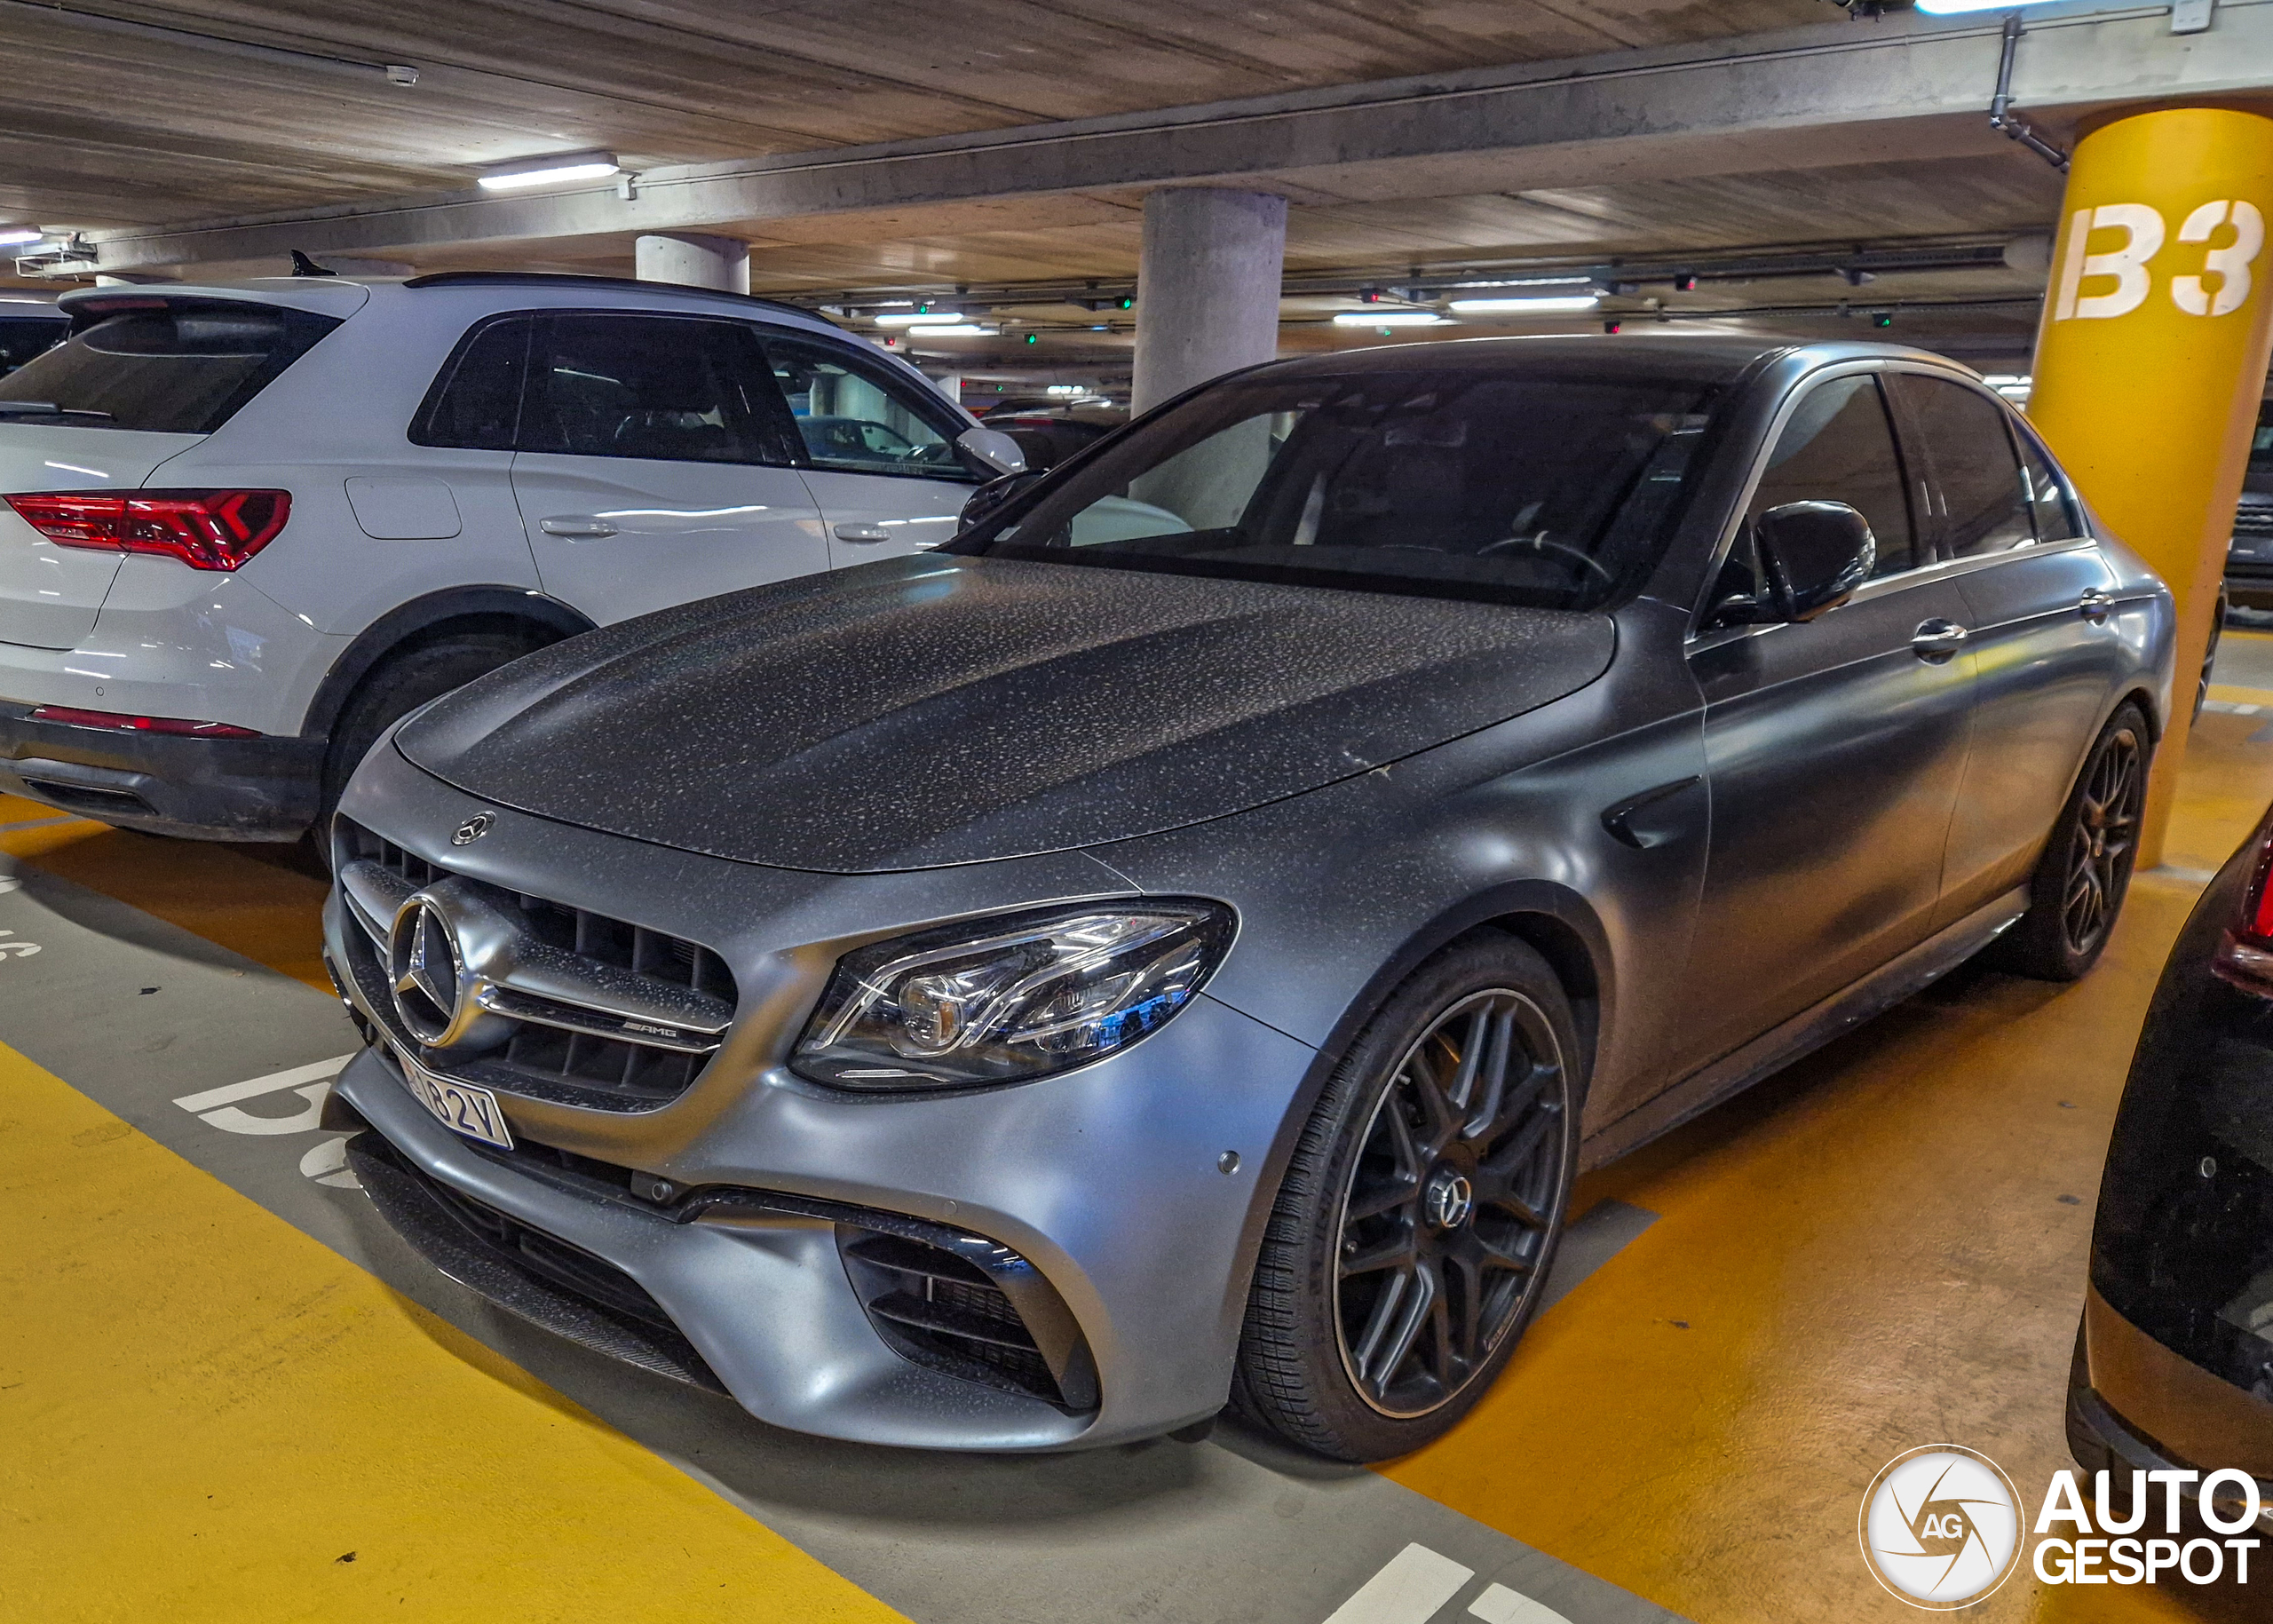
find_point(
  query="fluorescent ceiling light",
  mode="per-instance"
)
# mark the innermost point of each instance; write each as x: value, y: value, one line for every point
x: 551, y: 172
x: 1943, y: 8
x: 1565, y: 301
x: 951, y: 329
x: 915, y: 318
x: 13, y: 235
x: 1388, y: 318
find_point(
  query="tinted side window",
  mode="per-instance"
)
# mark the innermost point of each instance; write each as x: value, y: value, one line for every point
x: 667, y: 388
x: 858, y: 418
x: 475, y: 401
x: 1838, y: 446
x: 2049, y: 498
x: 1977, y: 502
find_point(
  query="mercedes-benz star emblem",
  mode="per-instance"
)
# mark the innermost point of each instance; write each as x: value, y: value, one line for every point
x: 473, y: 829
x: 424, y: 963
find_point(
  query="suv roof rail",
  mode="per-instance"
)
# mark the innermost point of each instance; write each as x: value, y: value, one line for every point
x: 565, y: 279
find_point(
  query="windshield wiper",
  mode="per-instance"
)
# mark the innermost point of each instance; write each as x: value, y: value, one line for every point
x: 47, y: 409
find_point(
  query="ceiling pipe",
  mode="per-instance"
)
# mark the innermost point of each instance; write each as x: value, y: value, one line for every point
x: 2001, y: 116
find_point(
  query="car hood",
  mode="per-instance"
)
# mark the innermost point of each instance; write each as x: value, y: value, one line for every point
x: 934, y: 709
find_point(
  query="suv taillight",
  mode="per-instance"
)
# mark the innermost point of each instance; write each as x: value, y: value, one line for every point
x: 2244, y: 955
x: 204, y: 529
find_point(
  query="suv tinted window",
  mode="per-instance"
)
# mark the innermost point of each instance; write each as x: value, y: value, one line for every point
x: 1977, y: 502
x: 669, y: 388
x: 476, y: 400
x: 859, y: 418
x: 183, y: 369
x: 1837, y: 446
x: 2048, y: 496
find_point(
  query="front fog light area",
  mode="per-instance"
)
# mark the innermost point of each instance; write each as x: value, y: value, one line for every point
x: 1008, y: 1000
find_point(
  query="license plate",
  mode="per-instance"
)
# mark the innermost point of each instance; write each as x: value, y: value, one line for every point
x: 461, y: 1105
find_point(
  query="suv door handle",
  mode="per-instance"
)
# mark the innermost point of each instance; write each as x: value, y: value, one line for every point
x: 2094, y: 604
x: 576, y: 524
x: 1936, y: 639
x: 862, y: 532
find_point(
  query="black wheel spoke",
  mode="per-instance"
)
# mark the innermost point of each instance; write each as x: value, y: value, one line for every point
x: 1453, y: 1203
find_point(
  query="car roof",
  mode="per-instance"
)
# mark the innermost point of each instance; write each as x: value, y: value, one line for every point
x: 1707, y: 357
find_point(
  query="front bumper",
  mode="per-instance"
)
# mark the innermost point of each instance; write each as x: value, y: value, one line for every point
x: 164, y: 784
x: 1104, y: 1181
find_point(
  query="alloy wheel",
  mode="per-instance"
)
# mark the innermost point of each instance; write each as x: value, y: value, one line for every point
x: 2105, y: 840
x: 1453, y: 1203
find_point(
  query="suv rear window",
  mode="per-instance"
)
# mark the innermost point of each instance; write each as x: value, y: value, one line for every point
x: 183, y: 369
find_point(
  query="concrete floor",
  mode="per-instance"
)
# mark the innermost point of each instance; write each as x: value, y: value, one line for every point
x: 228, y: 1394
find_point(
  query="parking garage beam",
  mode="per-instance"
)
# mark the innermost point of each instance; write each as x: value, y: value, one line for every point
x: 1207, y: 286
x: 694, y: 261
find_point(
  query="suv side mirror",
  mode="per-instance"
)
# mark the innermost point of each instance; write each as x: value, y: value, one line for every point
x: 1812, y: 557
x: 989, y: 498
x: 989, y: 451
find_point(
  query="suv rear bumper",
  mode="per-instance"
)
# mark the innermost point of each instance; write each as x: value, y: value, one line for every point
x: 203, y: 788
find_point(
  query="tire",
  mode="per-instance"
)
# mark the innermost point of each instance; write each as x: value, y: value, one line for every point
x: 1364, y: 1364
x: 2078, y: 890
x: 2210, y: 652
x: 393, y: 689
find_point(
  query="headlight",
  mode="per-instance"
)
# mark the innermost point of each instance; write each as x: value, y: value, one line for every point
x: 1008, y: 999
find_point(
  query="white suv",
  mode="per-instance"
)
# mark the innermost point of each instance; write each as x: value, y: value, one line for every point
x: 244, y: 527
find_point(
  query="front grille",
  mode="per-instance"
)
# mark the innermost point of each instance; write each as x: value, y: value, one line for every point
x: 548, y: 1057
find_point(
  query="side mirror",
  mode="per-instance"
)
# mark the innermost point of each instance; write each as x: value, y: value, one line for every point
x: 1812, y: 557
x: 990, y: 451
x: 991, y: 497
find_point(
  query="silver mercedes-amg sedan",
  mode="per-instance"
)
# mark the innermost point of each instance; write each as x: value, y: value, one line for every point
x: 1180, y: 941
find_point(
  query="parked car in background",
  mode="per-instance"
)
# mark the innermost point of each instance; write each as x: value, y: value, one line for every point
x: 1049, y: 435
x: 1195, y: 927
x: 2173, y: 1367
x: 28, y: 327
x: 245, y: 527
x: 2249, y: 559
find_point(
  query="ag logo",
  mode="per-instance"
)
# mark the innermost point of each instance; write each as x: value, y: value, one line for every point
x: 1941, y: 1526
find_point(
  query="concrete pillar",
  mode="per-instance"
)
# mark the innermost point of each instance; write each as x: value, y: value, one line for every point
x: 2151, y: 354
x: 1207, y: 286
x: 695, y: 261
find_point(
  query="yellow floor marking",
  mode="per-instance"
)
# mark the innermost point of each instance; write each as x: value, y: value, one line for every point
x: 1867, y: 1254
x: 205, y: 1411
x: 243, y: 898
x: 2237, y: 695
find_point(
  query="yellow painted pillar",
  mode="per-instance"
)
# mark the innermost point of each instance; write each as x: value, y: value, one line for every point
x: 2151, y: 355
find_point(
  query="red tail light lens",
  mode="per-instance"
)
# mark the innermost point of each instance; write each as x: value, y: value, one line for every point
x: 204, y: 529
x: 2244, y: 955
x: 118, y: 721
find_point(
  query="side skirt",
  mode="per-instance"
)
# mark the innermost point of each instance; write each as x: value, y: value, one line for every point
x: 1807, y: 1031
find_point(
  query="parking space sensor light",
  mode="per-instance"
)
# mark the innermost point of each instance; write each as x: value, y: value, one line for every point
x: 1387, y: 318
x: 551, y: 171
x: 1544, y: 302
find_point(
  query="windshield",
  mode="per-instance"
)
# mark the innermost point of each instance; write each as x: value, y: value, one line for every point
x: 1556, y: 491
x: 184, y: 367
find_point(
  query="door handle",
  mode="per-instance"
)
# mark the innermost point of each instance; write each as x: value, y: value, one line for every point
x: 576, y: 524
x: 1936, y: 639
x: 2094, y: 606
x: 1618, y: 820
x: 862, y: 532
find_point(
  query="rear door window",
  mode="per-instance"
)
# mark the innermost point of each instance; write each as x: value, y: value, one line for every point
x: 856, y: 417
x: 185, y: 366
x: 1977, y: 501
x: 666, y: 388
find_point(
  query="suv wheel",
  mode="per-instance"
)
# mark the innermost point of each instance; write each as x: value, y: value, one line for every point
x: 1414, y: 1232
x: 397, y: 686
x: 2081, y: 879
